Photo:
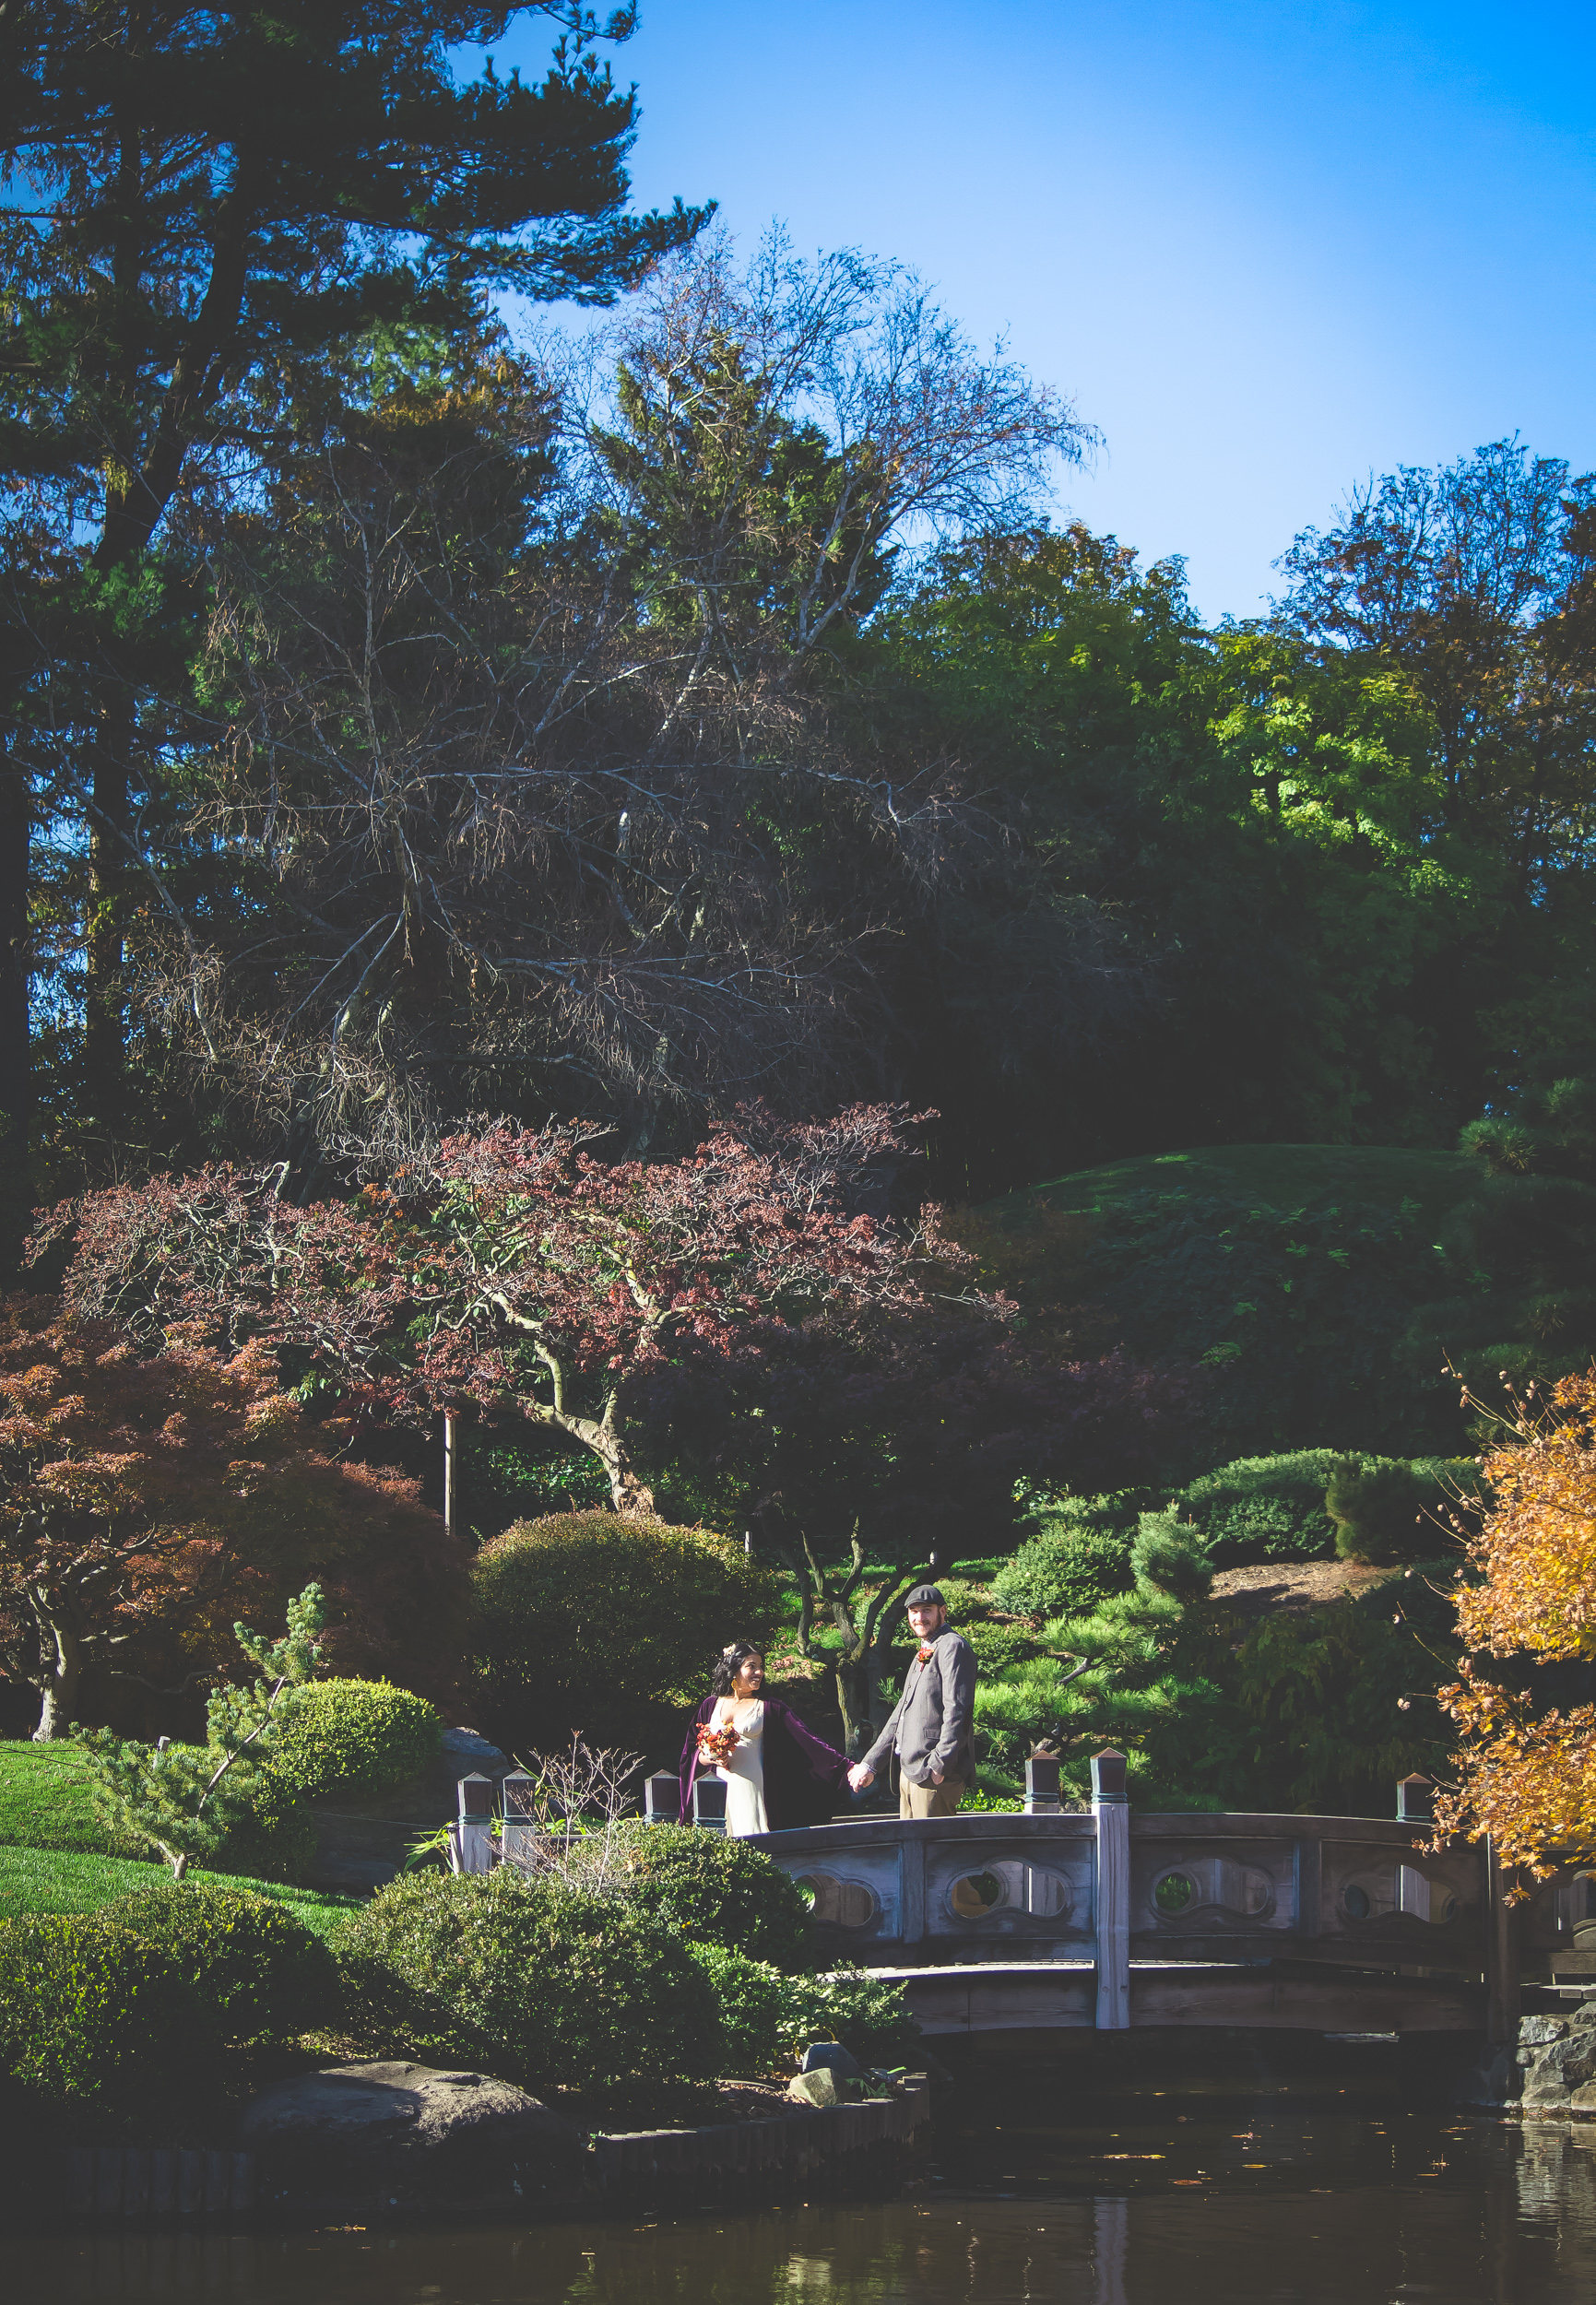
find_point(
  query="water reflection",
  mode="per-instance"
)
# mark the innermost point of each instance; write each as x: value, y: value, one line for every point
x: 1281, y: 2195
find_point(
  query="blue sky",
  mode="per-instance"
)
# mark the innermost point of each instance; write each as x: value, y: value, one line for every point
x: 1266, y: 249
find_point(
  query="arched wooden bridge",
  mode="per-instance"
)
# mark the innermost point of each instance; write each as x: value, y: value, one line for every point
x: 1108, y: 1919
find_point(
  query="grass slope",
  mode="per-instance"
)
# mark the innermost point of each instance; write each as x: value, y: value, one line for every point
x: 44, y: 1798
x: 1284, y: 1174
x: 68, y: 1881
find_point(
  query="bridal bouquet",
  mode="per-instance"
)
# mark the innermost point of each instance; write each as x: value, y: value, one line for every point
x: 715, y: 1747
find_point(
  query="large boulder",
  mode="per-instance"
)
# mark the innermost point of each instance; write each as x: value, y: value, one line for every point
x: 410, y: 2134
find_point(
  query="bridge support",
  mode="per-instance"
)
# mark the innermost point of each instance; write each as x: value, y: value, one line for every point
x: 1111, y: 1814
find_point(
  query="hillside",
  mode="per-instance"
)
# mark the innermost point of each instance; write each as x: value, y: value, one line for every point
x: 1290, y: 1274
x: 1285, y: 1176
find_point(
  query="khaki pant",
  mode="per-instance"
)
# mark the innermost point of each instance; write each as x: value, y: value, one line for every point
x: 929, y: 1799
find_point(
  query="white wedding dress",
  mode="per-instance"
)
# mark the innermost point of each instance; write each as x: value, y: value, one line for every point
x: 744, y: 1775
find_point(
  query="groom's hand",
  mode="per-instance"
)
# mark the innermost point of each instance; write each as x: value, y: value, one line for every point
x: 860, y: 1775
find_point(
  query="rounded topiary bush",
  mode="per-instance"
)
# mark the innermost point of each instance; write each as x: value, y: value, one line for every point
x: 710, y: 1889
x: 534, y: 1980
x: 257, y: 1969
x: 1264, y: 1508
x: 1065, y: 1571
x: 592, y: 1622
x: 768, y: 2020
x: 1394, y: 1508
x: 751, y: 1996
x: 96, y: 2023
x: 362, y: 1736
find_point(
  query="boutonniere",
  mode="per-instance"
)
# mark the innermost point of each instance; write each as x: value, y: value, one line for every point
x: 923, y: 1654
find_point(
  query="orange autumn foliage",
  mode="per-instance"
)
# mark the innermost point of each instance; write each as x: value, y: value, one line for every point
x: 148, y: 1501
x: 1529, y: 1781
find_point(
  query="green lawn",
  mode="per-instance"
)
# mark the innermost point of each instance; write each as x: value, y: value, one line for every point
x: 44, y: 1798
x: 68, y: 1881
x: 1285, y: 1175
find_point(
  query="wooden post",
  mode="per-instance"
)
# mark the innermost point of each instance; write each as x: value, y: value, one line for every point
x: 911, y: 1890
x: 1042, y: 1786
x: 451, y: 1471
x: 476, y: 1826
x: 520, y: 1842
x: 1501, y: 1953
x: 709, y: 1802
x: 1112, y: 1815
x: 662, y: 1800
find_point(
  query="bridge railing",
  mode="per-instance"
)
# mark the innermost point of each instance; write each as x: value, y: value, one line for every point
x: 1108, y: 1887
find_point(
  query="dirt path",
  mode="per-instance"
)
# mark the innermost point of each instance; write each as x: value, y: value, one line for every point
x: 1295, y: 1585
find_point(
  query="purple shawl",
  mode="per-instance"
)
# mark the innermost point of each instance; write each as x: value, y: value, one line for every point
x: 802, y: 1773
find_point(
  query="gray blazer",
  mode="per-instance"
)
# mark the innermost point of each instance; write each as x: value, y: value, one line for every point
x: 932, y: 1720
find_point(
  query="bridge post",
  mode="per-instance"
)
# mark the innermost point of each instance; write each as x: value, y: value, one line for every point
x: 1111, y: 1814
x: 1503, y: 1927
x: 1042, y: 1782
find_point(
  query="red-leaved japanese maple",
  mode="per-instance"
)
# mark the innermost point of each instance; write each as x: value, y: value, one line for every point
x: 522, y: 1273
x: 148, y: 1500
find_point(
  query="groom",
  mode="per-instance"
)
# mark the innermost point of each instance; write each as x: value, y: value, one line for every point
x: 929, y: 1730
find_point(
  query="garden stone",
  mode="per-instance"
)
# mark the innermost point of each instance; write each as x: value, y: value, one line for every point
x: 817, y: 2088
x: 839, y: 2061
x: 1575, y: 2059
x: 1584, y: 2098
x: 409, y: 2131
x: 1534, y: 2030
x: 1545, y: 2086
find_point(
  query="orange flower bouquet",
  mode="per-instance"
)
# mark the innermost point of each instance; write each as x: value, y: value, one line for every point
x: 715, y: 1747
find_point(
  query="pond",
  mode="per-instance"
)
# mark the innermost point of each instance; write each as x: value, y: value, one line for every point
x: 1336, y: 2187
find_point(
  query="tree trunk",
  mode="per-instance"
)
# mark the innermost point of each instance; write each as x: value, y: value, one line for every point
x: 59, y: 1694
x: 104, y: 1044
x: 15, y: 1067
x: 627, y: 1493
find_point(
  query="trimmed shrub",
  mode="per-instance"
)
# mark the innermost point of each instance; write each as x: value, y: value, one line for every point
x: 1169, y: 1556
x: 865, y: 2012
x: 750, y: 1996
x: 363, y: 1736
x: 590, y: 1622
x: 257, y: 1969
x: 710, y: 1889
x: 534, y: 1980
x: 768, y: 2020
x: 1264, y: 1508
x: 1063, y: 1574
x: 97, y: 2024
x: 1393, y: 1508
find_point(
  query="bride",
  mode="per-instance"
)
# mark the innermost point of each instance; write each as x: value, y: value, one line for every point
x: 777, y: 1773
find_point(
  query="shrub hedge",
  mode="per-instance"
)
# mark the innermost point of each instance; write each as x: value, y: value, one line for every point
x: 364, y: 1736
x: 586, y: 1620
x: 768, y: 2020
x: 258, y: 1971
x: 710, y: 1889
x: 534, y: 1981
x: 97, y: 2024
x: 1394, y: 1508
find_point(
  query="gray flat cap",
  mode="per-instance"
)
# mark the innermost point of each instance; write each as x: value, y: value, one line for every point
x: 924, y: 1597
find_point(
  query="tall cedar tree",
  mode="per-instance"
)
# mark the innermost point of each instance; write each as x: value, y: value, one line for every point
x: 204, y: 202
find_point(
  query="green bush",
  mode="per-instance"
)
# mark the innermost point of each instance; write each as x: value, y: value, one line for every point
x: 1168, y: 1556
x: 534, y: 1980
x: 1078, y: 1557
x: 750, y: 1996
x: 258, y: 1971
x: 710, y: 1889
x: 768, y: 2020
x: 96, y: 2023
x: 363, y: 1736
x: 1264, y: 1508
x: 1394, y: 1508
x: 586, y: 1620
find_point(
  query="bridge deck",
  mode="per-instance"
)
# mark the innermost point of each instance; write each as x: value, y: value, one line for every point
x: 1051, y: 1996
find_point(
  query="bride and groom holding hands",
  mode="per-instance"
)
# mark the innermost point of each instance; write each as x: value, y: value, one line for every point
x: 778, y: 1773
